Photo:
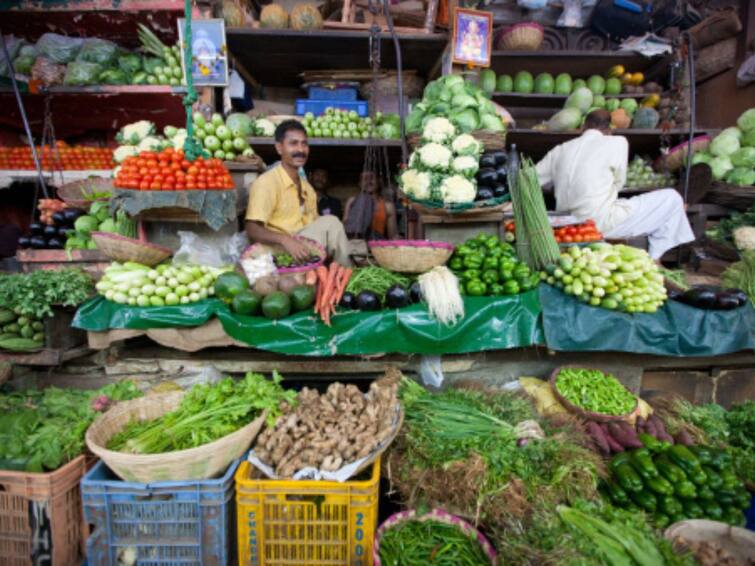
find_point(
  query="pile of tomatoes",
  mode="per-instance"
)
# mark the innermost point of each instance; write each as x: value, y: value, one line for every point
x: 169, y: 170
x: 62, y: 157
x: 575, y: 233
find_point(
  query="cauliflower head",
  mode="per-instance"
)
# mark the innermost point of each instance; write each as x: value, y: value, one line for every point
x: 264, y: 127
x: 416, y: 183
x: 744, y: 238
x: 438, y: 130
x: 150, y: 143
x: 466, y: 165
x: 123, y: 151
x: 466, y: 145
x: 458, y: 189
x: 435, y: 156
x: 132, y: 134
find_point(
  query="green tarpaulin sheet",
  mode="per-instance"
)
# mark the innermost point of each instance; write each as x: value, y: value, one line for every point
x: 491, y: 323
x: 675, y: 330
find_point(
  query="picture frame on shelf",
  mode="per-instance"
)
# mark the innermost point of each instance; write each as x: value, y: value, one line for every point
x: 209, y: 52
x: 472, y: 37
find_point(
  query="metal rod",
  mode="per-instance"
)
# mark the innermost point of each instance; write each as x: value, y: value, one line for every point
x: 19, y: 100
x: 399, y: 70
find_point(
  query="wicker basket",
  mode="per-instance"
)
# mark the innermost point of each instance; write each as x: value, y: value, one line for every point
x: 78, y: 194
x: 597, y: 417
x: 121, y: 248
x: 491, y: 141
x: 737, y: 541
x: 203, y: 462
x: 256, y: 250
x: 526, y: 36
x: 675, y: 157
x: 433, y: 515
x: 387, y: 85
x: 410, y: 256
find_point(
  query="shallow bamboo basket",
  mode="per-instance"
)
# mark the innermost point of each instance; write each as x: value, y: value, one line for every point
x: 410, y: 256
x: 203, y: 462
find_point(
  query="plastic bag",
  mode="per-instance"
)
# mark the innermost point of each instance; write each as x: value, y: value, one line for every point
x: 196, y: 250
x: 571, y: 17
x: 746, y: 72
x: 59, y: 48
x: 28, y: 51
x: 532, y: 4
x: 431, y: 371
x: 48, y: 72
x: 23, y: 64
x: 81, y: 73
x: 130, y: 63
x: 112, y: 77
x: 100, y: 51
x: 13, y: 44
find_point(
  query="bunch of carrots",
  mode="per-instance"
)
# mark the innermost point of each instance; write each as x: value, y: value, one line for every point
x: 331, y: 284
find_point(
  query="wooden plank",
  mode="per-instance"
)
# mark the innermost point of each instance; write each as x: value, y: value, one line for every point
x: 44, y: 357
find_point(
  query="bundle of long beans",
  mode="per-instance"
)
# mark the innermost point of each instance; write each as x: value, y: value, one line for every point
x: 536, y: 245
x: 418, y: 543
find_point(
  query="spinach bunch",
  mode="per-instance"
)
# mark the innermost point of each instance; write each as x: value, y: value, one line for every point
x: 35, y: 293
x: 40, y: 430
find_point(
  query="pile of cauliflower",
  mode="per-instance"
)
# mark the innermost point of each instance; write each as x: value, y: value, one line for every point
x: 141, y: 136
x: 444, y: 166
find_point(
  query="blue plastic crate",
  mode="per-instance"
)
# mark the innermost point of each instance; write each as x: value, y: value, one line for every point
x: 186, y: 523
x: 344, y: 93
x: 318, y: 107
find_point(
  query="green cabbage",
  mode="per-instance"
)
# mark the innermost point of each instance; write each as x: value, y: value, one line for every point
x: 414, y: 120
x: 580, y: 99
x: 448, y: 81
x: 466, y: 120
x: 130, y: 63
x: 701, y: 157
x: 732, y: 131
x: 720, y: 166
x: 240, y: 124
x: 744, y: 157
x: 724, y: 144
x: 748, y: 139
x: 461, y: 101
x: 86, y: 224
x: 491, y: 122
x: 742, y: 176
x: 746, y: 121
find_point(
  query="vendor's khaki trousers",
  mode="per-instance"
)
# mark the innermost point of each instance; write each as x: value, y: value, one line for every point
x: 328, y: 231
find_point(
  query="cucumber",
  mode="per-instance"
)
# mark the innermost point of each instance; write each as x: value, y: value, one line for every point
x: 27, y: 331
x: 8, y: 335
x: 7, y: 316
x: 14, y: 328
x: 20, y: 344
x: 23, y: 321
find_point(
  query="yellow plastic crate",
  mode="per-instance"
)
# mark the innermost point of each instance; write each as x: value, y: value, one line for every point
x: 306, y: 523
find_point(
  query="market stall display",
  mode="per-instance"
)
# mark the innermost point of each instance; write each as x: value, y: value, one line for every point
x: 731, y: 154
x: 640, y: 176
x: 615, y: 81
x: 61, y: 157
x: 168, y: 170
x: 343, y: 124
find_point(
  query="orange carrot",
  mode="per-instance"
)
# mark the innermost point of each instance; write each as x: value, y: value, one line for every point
x: 321, y: 274
x: 342, y: 282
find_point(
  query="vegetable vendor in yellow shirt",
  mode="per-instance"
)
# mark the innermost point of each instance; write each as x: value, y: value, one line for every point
x: 283, y: 204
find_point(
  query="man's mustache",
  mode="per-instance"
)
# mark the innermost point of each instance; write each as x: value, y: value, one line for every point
x: 302, y: 155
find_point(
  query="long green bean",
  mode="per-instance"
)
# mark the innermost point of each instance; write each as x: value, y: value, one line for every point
x: 423, y: 543
x: 375, y: 279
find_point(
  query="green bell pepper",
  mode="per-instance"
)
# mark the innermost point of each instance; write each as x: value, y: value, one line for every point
x: 510, y: 287
x: 507, y: 249
x: 456, y: 264
x: 489, y: 263
x: 476, y: 288
x: 470, y: 274
x: 463, y: 250
x: 473, y: 260
x: 495, y: 289
x: 490, y: 276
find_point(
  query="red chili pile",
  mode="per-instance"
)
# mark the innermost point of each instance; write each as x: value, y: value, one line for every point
x: 169, y: 170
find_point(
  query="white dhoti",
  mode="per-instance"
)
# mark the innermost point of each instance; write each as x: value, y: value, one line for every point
x: 660, y: 216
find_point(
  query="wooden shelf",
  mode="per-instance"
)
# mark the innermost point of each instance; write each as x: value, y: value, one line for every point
x: 578, y: 63
x: 8, y: 176
x: 76, y: 110
x: 45, y: 357
x: 546, y: 100
x: 91, y: 5
x: 537, y: 143
x: 277, y: 57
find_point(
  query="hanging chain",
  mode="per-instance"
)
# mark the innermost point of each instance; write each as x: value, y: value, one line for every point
x: 192, y: 147
x: 49, y: 139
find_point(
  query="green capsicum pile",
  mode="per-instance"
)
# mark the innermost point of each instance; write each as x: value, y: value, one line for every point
x: 487, y: 266
x: 676, y: 482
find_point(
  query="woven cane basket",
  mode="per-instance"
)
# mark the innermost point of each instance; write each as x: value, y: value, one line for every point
x: 121, y: 248
x: 410, y: 256
x: 526, y: 36
x: 203, y: 462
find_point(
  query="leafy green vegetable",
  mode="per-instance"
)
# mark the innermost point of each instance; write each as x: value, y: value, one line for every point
x: 375, y: 279
x: 741, y: 275
x: 37, y: 292
x: 723, y: 231
x: 206, y: 413
x: 40, y: 430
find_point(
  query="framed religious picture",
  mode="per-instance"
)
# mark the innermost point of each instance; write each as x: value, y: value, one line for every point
x: 209, y: 53
x: 473, y: 37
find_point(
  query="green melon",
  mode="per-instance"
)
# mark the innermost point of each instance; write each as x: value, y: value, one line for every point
x: 487, y: 81
x: 523, y: 82
x: 544, y: 83
x: 596, y: 84
x: 563, y: 84
x: 578, y: 83
x: 230, y: 284
x: 613, y: 86
x: 504, y: 83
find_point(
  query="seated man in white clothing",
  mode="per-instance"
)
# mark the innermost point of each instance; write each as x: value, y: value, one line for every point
x: 587, y: 174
